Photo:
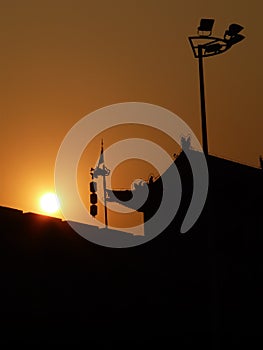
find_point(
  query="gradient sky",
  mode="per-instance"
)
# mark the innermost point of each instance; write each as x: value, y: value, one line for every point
x: 61, y: 60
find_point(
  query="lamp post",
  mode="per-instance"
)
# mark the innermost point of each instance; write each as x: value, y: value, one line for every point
x: 205, y: 45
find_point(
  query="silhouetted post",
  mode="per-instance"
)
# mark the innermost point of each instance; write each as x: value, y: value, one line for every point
x: 211, y: 46
x: 104, y: 173
x: 98, y: 171
x: 105, y: 200
x: 202, y: 100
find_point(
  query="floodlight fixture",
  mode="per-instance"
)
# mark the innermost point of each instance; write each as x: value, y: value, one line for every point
x: 234, y: 40
x: 234, y: 29
x: 213, y: 48
x: 231, y: 35
x: 205, y: 27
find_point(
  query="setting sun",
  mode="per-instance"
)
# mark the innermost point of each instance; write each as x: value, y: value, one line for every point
x: 49, y: 203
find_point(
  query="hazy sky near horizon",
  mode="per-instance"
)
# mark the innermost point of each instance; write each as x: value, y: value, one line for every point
x: 61, y: 60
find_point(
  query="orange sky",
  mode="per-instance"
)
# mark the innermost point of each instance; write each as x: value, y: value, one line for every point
x: 61, y: 60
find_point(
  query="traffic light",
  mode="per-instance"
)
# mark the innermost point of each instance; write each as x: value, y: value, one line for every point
x: 93, y: 198
x: 93, y: 186
x: 93, y: 210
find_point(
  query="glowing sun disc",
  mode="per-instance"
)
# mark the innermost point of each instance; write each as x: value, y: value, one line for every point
x: 49, y: 203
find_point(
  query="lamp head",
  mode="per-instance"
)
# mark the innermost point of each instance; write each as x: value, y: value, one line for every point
x: 234, y: 29
x: 235, y: 39
x: 231, y: 36
x: 213, y: 48
x: 205, y: 27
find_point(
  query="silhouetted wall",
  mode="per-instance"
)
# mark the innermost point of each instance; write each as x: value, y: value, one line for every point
x: 58, y: 288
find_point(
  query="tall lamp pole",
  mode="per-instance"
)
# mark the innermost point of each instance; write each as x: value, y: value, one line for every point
x: 202, y: 100
x: 204, y: 45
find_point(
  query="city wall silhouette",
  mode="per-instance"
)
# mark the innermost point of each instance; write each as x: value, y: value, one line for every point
x: 59, y: 288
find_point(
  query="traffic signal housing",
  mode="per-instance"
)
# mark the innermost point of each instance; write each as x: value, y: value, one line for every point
x: 93, y: 199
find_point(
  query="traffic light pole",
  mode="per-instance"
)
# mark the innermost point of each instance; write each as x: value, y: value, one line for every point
x: 105, y: 201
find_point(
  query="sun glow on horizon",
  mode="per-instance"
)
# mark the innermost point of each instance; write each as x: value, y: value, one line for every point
x: 49, y: 203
